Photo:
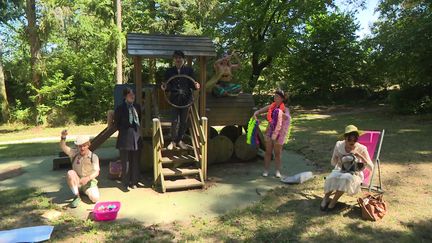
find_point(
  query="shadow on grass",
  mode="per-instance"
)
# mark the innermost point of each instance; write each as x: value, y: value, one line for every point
x: 12, y: 130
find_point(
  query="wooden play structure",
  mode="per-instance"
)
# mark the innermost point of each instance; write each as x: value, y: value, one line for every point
x: 184, y: 169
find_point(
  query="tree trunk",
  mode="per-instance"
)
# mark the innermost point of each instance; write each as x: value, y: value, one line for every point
x: 119, y: 55
x: 257, y: 68
x: 4, y: 105
x: 152, y: 61
x: 35, y: 47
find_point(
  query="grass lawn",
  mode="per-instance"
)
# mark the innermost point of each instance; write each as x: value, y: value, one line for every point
x: 39, y: 148
x: 287, y: 213
x: 13, y: 132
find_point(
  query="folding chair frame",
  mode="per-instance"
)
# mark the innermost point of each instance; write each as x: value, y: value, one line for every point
x: 377, y: 166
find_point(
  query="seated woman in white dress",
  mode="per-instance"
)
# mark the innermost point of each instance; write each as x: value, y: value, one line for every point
x: 340, y: 181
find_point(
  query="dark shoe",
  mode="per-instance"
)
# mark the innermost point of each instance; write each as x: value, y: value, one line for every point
x: 75, y: 202
x: 324, y: 208
x: 331, y: 209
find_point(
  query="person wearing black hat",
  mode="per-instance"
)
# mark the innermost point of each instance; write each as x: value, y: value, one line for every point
x: 277, y: 132
x: 179, y: 119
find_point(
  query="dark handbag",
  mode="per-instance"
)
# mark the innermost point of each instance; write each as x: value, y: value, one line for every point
x: 350, y: 164
x: 373, y: 207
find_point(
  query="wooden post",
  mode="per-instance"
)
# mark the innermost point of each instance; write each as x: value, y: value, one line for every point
x: 204, y: 148
x: 155, y: 152
x: 203, y: 76
x: 189, y: 61
x: 138, y: 80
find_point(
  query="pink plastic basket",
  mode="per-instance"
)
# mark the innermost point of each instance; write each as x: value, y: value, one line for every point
x: 106, y: 213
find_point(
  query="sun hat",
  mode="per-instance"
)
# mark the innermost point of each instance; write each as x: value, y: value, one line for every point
x: 80, y: 140
x: 352, y: 128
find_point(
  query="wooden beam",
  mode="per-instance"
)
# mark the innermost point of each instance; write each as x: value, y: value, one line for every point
x: 138, y: 80
x: 189, y: 61
x: 203, y: 76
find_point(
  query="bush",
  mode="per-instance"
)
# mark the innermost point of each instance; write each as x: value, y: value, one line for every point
x: 59, y: 117
x: 19, y: 114
x: 412, y: 100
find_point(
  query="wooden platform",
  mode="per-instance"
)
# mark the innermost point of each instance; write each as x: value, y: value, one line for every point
x: 235, y: 110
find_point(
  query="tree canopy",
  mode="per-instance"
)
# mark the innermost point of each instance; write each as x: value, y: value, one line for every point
x: 58, y: 56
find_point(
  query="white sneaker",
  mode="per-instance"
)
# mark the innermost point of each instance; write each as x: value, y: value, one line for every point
x: 265, y: 173
x: 171, y: 146
x: 182, y: 145
x: 278, y: 174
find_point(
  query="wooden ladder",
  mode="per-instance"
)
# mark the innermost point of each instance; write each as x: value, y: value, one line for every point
x: 181, y: 169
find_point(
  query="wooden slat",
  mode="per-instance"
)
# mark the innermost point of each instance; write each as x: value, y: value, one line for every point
x: 178, y: 159
x: 183, y: 183
x: 164, y: 37
x: 179, y: 171
x: 169, y: 46
x: 164, y: 45
x: 167, y: 53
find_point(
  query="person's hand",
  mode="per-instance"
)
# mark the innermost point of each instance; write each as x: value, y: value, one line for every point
x: 84, y: 180
x: 255, y: 115
x: 163, y: 87
x: 64, y: 133
x: 197, y: 85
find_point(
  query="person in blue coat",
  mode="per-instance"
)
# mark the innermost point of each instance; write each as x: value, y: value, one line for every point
x: 127, y: 119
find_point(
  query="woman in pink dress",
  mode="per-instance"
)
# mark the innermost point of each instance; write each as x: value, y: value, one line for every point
x: 279, y: 118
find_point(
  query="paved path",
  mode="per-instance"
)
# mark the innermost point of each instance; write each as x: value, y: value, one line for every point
x: 230, y: 186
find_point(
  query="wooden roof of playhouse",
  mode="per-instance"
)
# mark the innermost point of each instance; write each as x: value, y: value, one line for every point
x: 153, y: 46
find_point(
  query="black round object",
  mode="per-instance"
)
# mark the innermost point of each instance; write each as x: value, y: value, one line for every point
x: 176, y: 95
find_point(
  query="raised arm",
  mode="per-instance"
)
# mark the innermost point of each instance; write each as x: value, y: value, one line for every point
x: 66, y: 149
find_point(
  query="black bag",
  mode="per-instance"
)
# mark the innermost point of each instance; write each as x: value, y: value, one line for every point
x: 350, y: 164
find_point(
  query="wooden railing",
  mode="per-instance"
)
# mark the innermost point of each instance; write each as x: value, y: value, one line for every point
x: 199, y: 128
x: 158, y: 144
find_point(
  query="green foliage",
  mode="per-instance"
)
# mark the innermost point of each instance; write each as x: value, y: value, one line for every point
x: 412, y: 100
x: 20, y: 114
x: 326, y: 57
x: 403, y: 52
x: 309, y: 48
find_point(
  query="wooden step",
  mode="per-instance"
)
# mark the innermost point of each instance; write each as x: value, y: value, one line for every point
x: 178, y: 149
x: 178, y: 159
x: 179, y: 171
x: 183, y: 184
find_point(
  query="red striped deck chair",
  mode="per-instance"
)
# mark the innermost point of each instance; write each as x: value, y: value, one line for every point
x: 373, y: 141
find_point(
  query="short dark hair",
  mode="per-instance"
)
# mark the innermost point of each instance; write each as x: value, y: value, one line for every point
x: 351, y: 135
x: 127, y: 91
x: 178, y: 53
x: 281, y: 94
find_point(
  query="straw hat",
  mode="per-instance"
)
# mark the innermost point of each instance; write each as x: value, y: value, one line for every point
x: 80, y: 140
x: 352, y: 128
